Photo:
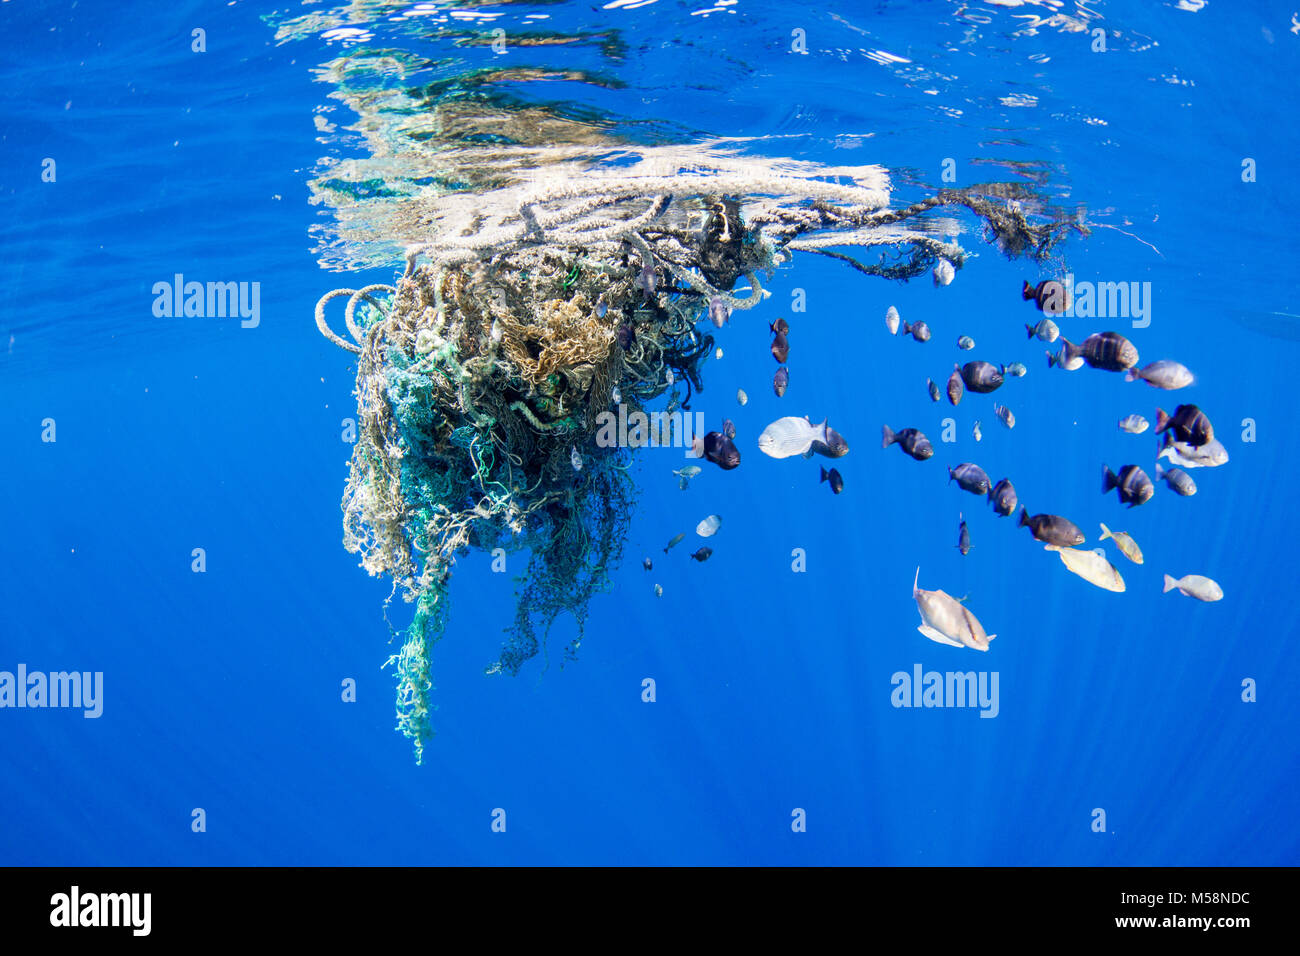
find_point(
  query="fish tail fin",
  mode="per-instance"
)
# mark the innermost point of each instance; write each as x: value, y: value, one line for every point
x: 886, y: 436
x: 1162, y: 420
x: 1170, y: 584
x: 907, y: 329
x: 915, y: 580
x: 823, y: 470
x: 1026, y: 291
x: 1051, y: 359
x: 1024, y: 517
x: 1002, y: 369
x: 950, y: 474
x: 1105, y: 533
x: 1131, y: 375
x: 1069, y: 350
x: 1160, y: 471
x: 989, y: 637
x: 1029, y: 331
x: 1108, y: 479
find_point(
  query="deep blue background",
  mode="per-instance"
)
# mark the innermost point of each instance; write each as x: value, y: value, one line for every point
x: 223, y: 688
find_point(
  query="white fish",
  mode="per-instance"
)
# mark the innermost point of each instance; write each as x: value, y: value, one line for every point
x: 1004, y: 415
x: 1046, y: 331
x: 741, y: 397
x: 1210, y: 455
x: 790, y: 436
x: 659, y: 590
x: 1091, y: 566
x: 1194, y: 585
x: 575, y: 459
x: 1134, y: 424
x: 943, y: 272
x: 1162, y: 374
x: 979, y: 436
x: 496, y: 330
x: 709, y: 526
x: 891, y: 320
x: 616, y: 395
x: 718, y: 354
x: 946, y: 620
x: 669, y: 377
x: 1124, y: 542
x: 1065, y: 360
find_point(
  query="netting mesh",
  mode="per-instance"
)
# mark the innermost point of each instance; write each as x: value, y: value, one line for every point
x: 528, y: 309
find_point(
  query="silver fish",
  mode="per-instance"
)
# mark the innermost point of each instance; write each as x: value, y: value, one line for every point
x: 1195, y: 585
x: 946, y: 620
x: 944, y: 272
x: 934, y: 390
x: 575, y: 459
x: 790, y: 436
x: 1046, y: 331
x: 1067, y: 362
x: 687, y: 471
x: 1124, y: 542
x: 659, y: 590
x: 891, y: 320
x: 718, y: 312
x: 975, y: 431
x: 1091, y: 566
x: 1179, y: 481
x: 741, y: 397
x: 1162, y: 374
x: 709, y: 526
x: 1210, y: 455
x: 1015, y: 368
x: 965, y: 343
x: 1004, y: 415
x: 1134, y: 424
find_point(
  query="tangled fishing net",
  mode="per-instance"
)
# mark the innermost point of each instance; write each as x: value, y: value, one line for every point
x: 544, y: 294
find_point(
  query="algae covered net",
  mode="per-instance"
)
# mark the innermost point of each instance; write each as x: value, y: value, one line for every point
x: 555, y: 272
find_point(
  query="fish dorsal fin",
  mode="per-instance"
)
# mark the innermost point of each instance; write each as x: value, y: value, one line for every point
x: 915, y: 589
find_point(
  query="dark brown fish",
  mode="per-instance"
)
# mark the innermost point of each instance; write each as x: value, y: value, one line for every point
x: 1134, y: 486
x: 1003, y: 497
x: 934, y: 390
x: 781, y: 381
x: 963, y: 537
x: 833, y: 476
x: 911, y: 440
x: 721, y: 450
x: 1188, y: 424
x: 647, y: 564
x: 955, y: 390
x: 779, y: 327
x: 1104, y: 350
x: 1049, y: 295
x: 834, y: 447
x: 970, y: 477
x: 1051, y: 529
x: 780, y: 348
x: 982, y: 377
x: 702, y: 554
x: 919, y: 331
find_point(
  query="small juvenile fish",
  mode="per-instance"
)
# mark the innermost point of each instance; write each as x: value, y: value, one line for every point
x: 944, y: 272
x: 971, y: 478
x: 575, y: 459
x: 1124, y: 542
x: 659, y: 590
x: 648, y: 564
x: 1179, y: 481
x: 920, y: 331
x: 669, y: 377
x: 1015, y: 368
x: 709, y: 526
x: 1003, y: 496
x: 1049, y: 295
x: 1162, y: 374
x: 688, y: 471
x: 702, y: 555
x: 963, y: 536
x: 729, y: 428
x: 1091, y: 566
x: 741, y: 397
x: 934, y: 390
x: 719, y: 313
x: 833, y: 476
x: 1004, y: 415
x: 1134, y: 487
x: 676, y: 540
x: 975, y: 431
x: 982, y: 377
x: 1051, y: 529
x: 955, y: 388
x: 1187, y: 424
x: 780, y: 348
x: 717, y: 354
x: 965, y: 343
x: 616, y: 395
x: 911, y: 440
x: 1046, y: 331
x: 780, y: 381
x: 891, y: 320
x: 1134, y: 424
x: 1194, y: 585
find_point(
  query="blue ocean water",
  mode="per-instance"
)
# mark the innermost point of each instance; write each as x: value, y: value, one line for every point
x: 1169, y: 132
